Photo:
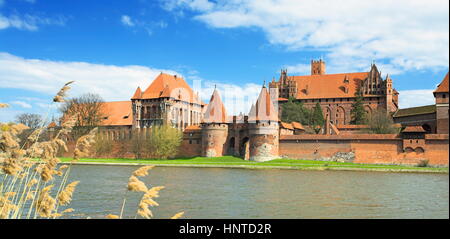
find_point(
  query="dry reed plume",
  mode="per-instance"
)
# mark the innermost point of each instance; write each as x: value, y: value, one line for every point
x: 177, y: 216
x: 33, y: 186
x: 30, y: 169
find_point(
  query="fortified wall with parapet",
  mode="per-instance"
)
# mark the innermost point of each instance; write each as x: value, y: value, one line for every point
x: 260, y: 135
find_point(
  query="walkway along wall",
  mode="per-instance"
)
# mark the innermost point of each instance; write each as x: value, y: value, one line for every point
x: 367, y: 148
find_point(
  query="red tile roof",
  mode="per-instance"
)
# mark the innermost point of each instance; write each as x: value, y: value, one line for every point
x: 328, y: 85
x: 414, y: 129
x: 117, y: 113
x: 443, y: 86
x: 297, y: 125
x: 215, y: 111
x: 137, y: 94
x: 263, y: 110
x: 166, y: 85
x: 286, y: 125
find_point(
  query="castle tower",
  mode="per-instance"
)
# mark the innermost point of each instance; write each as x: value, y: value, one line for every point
x: 136, y: 107
x: 389, y: 92
x: 441, y: 95
x: 317, y: 67
x: 263, y: 129
x: 214, y: 128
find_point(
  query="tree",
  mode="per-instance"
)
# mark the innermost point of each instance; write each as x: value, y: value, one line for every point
x: 33, y: 121
x: 380, y: 122
x: 294, y: 111
x: 88, y: 111
x: 164, y: 141
x: 357, y: 112
x: 317, y: 118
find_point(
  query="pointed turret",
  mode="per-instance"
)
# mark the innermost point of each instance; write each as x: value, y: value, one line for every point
x: 215, y: 112
x: 264, y: 109
x: 137, y: 94
x: 214, y: 128
x: 263, y: 128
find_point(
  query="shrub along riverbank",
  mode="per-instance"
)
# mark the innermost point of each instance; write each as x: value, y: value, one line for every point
x: 234, y: 162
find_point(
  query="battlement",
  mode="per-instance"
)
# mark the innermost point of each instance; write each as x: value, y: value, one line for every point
x: 318, y: 67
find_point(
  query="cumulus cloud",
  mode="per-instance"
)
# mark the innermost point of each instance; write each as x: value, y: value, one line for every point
x: 404, y: 34
x: 109, y: 81
x: 412, y: 98
x: 44, y: 76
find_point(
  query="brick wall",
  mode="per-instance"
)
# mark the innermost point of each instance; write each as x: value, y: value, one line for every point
x: 376, y: 149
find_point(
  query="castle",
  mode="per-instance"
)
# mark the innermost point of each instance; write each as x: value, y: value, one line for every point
x: 209, y: 131
x: 336, y: 92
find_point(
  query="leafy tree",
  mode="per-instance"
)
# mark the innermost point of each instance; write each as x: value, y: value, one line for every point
x: 317, y: 118
x: 357, y: 112
x: 295, y: 111
x: 33, y: 121
x: 380, y: 122
x: 164, y: 141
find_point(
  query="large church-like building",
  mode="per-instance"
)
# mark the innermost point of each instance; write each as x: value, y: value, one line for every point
x: 337, y: 92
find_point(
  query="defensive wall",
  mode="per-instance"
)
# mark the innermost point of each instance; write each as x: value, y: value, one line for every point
x: 368, y: 148
x: 357, y: 148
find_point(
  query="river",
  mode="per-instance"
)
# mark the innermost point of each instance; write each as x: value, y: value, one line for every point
x: 244, y: 193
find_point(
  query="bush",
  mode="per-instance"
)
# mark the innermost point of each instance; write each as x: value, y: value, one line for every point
x: 103, y: 145
x: 164, y: 141
x: 380, y: 122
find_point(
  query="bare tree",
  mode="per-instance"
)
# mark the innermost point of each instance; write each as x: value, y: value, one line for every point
x: 33, y: 121
x: 88, y: 111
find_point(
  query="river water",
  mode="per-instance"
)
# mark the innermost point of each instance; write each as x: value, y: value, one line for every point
x: 244, y: 193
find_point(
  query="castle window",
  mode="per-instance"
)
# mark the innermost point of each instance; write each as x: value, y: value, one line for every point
x: 443, y: 96
x: 190, y: 141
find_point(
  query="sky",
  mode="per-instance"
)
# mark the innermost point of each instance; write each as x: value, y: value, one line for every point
x: 111, y: 47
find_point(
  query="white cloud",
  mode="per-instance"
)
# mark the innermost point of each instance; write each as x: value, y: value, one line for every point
x: 21, y: 104
x: 126, y: 20
x: 109, y: 81
x: 404, y: 34
x: 29, y: 22
x: 412, y: 98
x: 44, y: 76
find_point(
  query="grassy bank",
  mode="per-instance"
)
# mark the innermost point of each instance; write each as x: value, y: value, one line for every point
x: 234, y: 162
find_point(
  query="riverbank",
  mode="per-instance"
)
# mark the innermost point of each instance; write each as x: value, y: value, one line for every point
x: 234, y: 162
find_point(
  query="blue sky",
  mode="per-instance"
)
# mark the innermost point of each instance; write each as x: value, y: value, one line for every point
x: 111, y: 47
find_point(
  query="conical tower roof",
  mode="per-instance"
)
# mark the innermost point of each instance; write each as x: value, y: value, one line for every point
x: 215, y: 111
x: 263, y: 110
x: 137, y: 94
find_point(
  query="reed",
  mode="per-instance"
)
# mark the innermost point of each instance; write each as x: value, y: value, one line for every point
x: 33, y: 184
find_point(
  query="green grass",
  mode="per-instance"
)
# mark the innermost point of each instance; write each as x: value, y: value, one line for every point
x: 277, y: 163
